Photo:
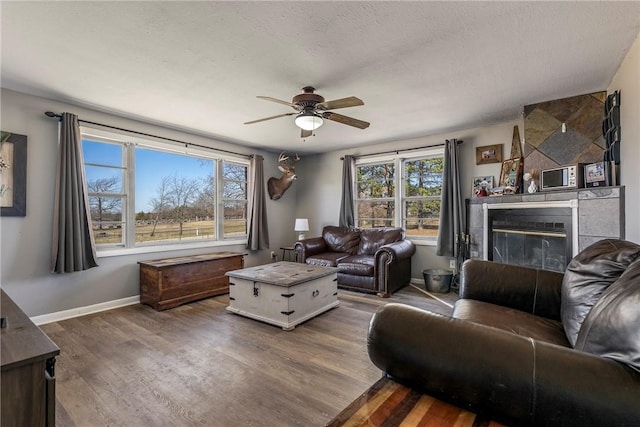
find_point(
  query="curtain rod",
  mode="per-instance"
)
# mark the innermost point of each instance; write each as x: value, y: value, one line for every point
x: 405, y: 149
x: 51, y: 114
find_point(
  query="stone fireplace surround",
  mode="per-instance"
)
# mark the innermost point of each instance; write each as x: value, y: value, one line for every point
x: 596, y: 214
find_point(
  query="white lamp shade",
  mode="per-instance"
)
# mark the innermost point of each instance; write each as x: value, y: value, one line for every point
x: 302, y: 224
x: 308, y: 121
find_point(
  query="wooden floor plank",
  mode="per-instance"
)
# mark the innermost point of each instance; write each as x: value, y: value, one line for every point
x: 199, y: 365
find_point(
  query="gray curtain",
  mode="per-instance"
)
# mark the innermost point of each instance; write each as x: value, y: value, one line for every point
x: 258, y: 230
x: 452, y: 210
x: 73, y: 247
x: 347, y: 217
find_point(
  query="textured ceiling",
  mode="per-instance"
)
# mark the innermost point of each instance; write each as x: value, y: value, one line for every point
x: 420, y: 67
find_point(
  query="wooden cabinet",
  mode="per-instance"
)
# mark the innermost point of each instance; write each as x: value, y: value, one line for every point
x: 170, y: 282
x: 27, y: 376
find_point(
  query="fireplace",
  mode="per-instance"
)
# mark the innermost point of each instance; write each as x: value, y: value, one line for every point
x: 540, y: 235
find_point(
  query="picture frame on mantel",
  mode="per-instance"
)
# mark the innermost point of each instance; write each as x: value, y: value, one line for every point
x: 481, y: 183
x: 489, y: 154
x: 13, y: 174
x: 511, y: 175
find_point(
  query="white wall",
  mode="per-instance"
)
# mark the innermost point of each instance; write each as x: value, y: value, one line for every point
x: 319, y: 183
x: 627, y: 81
x: 26, y: 241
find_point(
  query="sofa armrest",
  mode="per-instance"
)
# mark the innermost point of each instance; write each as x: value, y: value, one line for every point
x: 309, y: 247
x: 392, y: 252
x: 516, y: 380
x: 527, y: 289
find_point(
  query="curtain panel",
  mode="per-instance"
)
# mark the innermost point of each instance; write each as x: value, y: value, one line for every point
x: 347, y: 217
x: 452, y: 209
x: 258, y: 237
x: 73, y: 245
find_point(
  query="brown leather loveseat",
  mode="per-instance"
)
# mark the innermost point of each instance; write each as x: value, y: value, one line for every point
x: 527, y: 346
x: 376, y: 260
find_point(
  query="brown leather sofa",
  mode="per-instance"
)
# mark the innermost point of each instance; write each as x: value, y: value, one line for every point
x: 527, y: 346
x: 376, y: 260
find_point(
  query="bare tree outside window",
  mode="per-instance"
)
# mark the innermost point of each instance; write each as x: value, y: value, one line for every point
x: 160, y: 203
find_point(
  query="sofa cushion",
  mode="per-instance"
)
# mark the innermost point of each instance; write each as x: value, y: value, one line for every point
x: 341, y: 239
x: 372, y: 238
x: 612, y: 327
x: 511, y: 320
x: 588, y: 276
x: 357, y: 265
x: 326, y: 259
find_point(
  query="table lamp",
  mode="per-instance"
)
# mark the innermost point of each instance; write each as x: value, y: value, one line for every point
x: 302, y: 225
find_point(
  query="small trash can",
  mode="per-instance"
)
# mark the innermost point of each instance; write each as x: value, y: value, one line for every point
x: 436, y: 280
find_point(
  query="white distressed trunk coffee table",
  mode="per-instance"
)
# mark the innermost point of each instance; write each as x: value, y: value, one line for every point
x: 283, y: 293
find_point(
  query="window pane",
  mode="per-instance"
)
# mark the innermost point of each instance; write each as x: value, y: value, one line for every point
x: 104, y: 179
x: 376, y: 181
x: 235, y: 218
x: 423, y: 177
x: 422, y: 217
x: 108, y: 233
x: 102, y: 153
x: 375, y: 213
x: 175, y: 196
x: 233, y: 171
x: 105, y: 208
x: 106, y: 219
x: 235, y: 195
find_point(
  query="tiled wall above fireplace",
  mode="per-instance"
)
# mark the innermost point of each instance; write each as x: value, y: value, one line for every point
x: 600, y: 214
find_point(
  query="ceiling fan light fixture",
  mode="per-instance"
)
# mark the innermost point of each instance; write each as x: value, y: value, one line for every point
x: 308, y: 121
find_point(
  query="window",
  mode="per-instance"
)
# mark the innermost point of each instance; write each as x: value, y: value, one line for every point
x: 144, y: 193
x: 422, y: 196
x: 410, y: 199
x: 376, y: 199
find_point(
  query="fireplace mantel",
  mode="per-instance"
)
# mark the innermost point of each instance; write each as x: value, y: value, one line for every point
x: 597, y: 214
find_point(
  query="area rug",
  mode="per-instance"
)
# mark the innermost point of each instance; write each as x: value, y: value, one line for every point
x: 390, y: 404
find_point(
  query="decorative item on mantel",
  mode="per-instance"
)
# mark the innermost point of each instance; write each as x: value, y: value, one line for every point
x: 481, y: 186
x: 530, y: 177
x: 516, y: 144
x: 511, y: 176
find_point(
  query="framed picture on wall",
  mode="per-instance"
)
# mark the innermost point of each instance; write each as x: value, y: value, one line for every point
x: 511, y: 175
x: 481, y: 186
x: 489, y: 154
x: 13, y: 174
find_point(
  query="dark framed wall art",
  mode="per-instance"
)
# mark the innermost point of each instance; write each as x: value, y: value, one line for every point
x: 13, y: 174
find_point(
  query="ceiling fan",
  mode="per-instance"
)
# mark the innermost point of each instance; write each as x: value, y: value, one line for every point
x: 311, y: 109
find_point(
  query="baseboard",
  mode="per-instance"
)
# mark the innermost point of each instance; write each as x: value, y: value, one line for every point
x: 83, y: 311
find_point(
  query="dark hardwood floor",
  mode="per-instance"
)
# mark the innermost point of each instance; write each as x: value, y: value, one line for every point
x: 199, y: 365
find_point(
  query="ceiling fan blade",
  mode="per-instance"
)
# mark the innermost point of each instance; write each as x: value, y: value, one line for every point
x: 268, y: 98
x: 351, y: 101
x: 269, y: 118
x: 305, y: 133
x: 345, y: 120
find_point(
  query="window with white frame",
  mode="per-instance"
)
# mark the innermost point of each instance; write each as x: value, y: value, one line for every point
x: 146, y: 193
x: 410, y: 198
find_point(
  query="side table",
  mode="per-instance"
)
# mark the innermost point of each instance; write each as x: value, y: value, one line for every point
x: 289, y: 254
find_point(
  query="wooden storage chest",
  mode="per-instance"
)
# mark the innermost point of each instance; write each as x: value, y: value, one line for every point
x: 170, y: 282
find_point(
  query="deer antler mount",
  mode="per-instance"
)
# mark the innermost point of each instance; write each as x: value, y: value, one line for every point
x: 278, y: 186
